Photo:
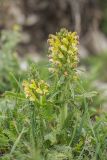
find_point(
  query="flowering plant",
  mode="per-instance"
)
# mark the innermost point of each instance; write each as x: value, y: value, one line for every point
x: 60, y: 121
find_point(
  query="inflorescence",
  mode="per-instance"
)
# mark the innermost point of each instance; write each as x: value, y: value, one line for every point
x: 33, y: 90
x: 63, y: 51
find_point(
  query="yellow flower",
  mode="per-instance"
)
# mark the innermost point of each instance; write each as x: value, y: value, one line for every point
x: 33, y: 90
x: 63, y: 51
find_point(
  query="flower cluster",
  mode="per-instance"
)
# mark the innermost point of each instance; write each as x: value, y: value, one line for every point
x: 63, y: 51
x: 33, y: 90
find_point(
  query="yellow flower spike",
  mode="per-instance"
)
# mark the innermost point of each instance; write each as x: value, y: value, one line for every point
x: 63, y: 51
x: 33, y: 90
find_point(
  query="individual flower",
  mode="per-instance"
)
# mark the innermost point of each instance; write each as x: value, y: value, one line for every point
x: 33, y: 89
x: 63, y: 51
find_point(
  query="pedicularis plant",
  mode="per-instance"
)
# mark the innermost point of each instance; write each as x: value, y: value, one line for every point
x: 61, y: 125
x: 50, y: 102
